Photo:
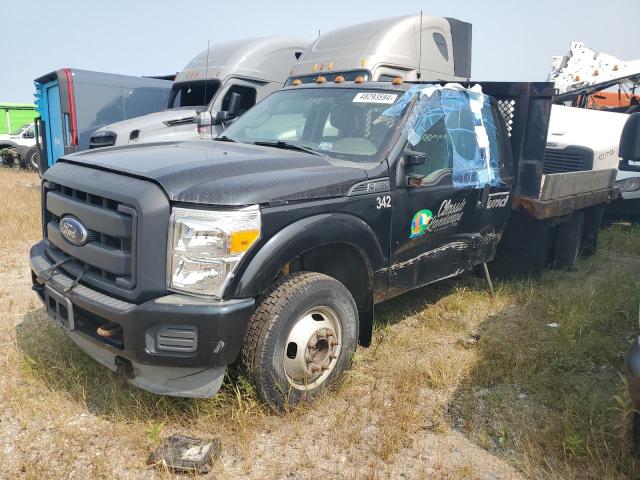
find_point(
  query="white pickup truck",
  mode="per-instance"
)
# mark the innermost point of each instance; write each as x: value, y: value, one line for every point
x: 20, y: 146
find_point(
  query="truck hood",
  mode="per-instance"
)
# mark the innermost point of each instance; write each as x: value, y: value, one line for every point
x: 217, y: 173
x: 153, y: 124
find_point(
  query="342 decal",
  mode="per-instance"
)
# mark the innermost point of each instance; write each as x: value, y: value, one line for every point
x: 383, y: 202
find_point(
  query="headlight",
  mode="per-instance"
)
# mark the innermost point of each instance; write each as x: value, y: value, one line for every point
x: 206, y: 245
x: 631, y: 184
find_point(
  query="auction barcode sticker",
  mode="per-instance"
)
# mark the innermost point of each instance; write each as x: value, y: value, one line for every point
x: 375, y: 97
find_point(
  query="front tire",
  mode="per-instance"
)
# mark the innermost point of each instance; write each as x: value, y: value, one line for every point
x: 300, y: 339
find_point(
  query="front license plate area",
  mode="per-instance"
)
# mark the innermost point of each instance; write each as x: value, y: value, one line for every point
x: 59, y: 308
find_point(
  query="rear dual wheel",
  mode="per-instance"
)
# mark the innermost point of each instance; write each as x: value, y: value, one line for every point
x: 301, y: 339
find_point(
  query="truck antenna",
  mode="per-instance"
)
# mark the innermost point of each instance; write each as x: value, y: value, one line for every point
x: 206, y: 74
x: 420, y: 51
x: 318, y: 32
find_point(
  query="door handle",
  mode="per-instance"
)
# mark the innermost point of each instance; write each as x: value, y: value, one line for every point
x: 484, y: 197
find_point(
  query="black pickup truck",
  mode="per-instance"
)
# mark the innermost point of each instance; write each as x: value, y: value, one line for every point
x: 269, y: 246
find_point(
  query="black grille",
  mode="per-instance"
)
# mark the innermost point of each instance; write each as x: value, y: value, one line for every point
x: 102, y: 140
x: 571, y: 159
x: 106, y: 260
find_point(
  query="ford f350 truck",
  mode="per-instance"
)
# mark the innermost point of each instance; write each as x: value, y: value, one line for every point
x: 271, y: 245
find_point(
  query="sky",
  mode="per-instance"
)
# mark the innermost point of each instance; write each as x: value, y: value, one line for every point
x: 512, y: 40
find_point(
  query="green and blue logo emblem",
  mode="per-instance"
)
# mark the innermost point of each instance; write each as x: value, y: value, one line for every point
x: 420, y: 223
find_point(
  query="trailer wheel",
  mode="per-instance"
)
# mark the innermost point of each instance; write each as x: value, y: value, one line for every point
x: 29, y: 161
x: 568, y: 242
x: 592, y: 226
x: 300, y: 339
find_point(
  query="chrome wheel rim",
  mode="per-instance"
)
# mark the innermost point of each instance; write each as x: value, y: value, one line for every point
x: 312, y: 348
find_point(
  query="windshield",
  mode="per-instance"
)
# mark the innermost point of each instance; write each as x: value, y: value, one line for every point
x: 20, y: 129
x: 343, y: 123
x: 192, y: 94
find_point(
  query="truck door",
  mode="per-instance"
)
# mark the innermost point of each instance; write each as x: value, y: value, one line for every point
x: 494, y: 204
x: 442, y: 189
x: 53, y: 123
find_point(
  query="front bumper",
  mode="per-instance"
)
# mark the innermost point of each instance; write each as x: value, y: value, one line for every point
x: 197, y: 371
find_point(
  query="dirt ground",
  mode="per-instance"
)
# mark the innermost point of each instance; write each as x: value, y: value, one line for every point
x: 457, y: 384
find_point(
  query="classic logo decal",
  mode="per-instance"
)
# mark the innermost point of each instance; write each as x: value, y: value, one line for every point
x: 73, y: 230
x: 498, y: 200
x: 420, y: 223
x: 449, y: 215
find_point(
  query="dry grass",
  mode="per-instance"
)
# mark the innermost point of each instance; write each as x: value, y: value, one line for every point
x: 19, y: 215
x: 527, y: 400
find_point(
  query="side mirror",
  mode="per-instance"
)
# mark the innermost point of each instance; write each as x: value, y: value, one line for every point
x: 234, y: 104
x: 205, y: 124
x: 29, y: 134
x: 232, y: 112
x: 415, y: 158
x: 630, y: 144
x: 406, y: 178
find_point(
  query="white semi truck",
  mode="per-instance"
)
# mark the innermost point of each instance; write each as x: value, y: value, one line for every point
x: 250, y: 68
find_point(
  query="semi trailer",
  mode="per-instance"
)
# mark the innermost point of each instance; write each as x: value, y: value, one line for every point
x: 270, y: 246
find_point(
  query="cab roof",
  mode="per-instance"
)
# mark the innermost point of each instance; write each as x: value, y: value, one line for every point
x: 264, y: 58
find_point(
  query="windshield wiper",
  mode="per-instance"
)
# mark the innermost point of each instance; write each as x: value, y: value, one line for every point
x: 287, y: 146
x: 224, y: 138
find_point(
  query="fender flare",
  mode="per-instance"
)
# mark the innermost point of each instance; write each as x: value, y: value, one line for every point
x: 304, y: 235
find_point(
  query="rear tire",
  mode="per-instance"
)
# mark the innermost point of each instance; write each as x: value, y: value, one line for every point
x: 592, y: 226
x: 568, y: 242
x: 300, y: 339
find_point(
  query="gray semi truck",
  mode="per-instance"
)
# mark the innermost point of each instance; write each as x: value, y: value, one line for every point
x: 249, y: 69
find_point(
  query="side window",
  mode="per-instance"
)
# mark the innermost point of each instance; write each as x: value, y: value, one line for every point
x: 247, y: 98
x: 441, y: 43
x: 495, y: 126
x: 436, y: 145
x: 30, y: 133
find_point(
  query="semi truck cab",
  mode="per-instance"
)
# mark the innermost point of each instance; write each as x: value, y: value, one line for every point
x: 251, y: 68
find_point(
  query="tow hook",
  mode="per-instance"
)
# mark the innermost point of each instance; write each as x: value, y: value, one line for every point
x: 124, y: 368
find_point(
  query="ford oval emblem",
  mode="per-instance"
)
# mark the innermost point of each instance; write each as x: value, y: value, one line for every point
x: 73, y: 230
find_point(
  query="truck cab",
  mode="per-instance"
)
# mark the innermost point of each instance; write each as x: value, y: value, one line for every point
x: 271, y: 245
x: 251, y: 68
x: 410, y: 47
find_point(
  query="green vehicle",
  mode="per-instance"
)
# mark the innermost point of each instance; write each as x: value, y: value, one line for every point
x: 14, y: 115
